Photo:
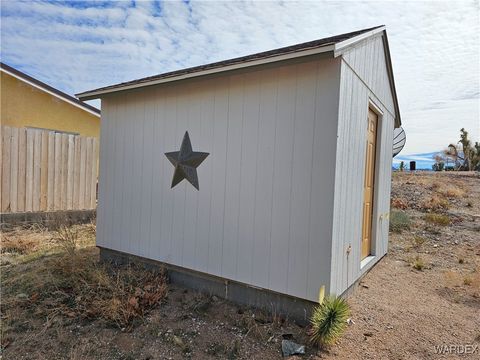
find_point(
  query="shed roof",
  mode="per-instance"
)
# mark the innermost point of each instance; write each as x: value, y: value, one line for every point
x: 333, y: 45
x: 47, y: 88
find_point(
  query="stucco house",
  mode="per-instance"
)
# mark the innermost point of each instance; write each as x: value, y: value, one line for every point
x: 30, y: 103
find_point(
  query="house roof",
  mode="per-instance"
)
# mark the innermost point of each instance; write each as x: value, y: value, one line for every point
x: 49, y: 89
x: 333, y: 45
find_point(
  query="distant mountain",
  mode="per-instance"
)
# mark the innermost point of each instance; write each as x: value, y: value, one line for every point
x: 423, y: 161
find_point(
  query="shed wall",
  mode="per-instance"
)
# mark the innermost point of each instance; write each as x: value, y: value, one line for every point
x: 364, y: 79
x: 263, y: 215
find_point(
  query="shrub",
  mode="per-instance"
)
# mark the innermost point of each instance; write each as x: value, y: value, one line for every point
x: 399, y: 221
x: 329, y: 321
x: 437, y: 219
x: 418, y: 263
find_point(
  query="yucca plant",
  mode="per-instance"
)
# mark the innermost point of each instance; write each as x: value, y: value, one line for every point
x: 329, y: 320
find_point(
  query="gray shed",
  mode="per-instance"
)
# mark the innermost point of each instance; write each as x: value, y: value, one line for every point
x: 294, y: 192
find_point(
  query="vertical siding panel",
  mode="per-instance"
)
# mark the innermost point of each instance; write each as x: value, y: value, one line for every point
x: 180, y: 191
x: 264, y: 165
x: 191, y: 196
x: 340, y: 179
x: 37, y: 156
x: 117, y: 196
x: 29, y: 170
x: 375, y: 64
x: 233, y: 174
x: 167, y: 133
x: 6, y: 148
x: 160, y: 180
x: 322, y: 183
x: 22, y: 144
x: 282, y: 178
x: 136, y: 175
x: 51, y: 171
x: 44, y: 171
x: 105, y: 160
x: 301, y: 170
x: 205, y: 173
x: 146, y: 176
x: 14, y: 170
x: 128, y: 120
x: 251, y: 105
x: 219, y: 159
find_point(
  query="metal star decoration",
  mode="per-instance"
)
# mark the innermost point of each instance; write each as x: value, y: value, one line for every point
x: 186, y: 162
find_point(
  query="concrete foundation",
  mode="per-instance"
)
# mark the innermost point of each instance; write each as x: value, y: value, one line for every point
x: 294, y: 309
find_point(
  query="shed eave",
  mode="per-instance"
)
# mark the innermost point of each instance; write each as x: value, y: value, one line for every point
x: 95, y: 94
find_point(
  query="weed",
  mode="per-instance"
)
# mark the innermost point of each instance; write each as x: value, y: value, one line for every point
x: 399, y: 203
x: 435, y: 203
x: 467, y: 281
x: 453, y: 192
x: 71, y: 282
x: 67, y: 238
x: 329, y: 321
x: 418, y: 263
x: 437, y: 219
x: 418, y: 241
x: 399, y: 221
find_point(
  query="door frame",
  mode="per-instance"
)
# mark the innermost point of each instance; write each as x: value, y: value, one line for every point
x: 371, y: 105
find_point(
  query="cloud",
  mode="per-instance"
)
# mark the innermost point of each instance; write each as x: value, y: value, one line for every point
x: 76, y: 46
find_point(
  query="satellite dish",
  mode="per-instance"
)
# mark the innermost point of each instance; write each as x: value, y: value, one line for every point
x: 399, y: 139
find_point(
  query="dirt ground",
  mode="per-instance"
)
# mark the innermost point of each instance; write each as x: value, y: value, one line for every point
x: 423, y: 295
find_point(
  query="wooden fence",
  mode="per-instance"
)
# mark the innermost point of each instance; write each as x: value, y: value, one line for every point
x: 45, y: 171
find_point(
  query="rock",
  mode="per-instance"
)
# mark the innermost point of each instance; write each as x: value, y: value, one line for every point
x: 178, y: 341
x: 291, y: 348
x: 22, y: 297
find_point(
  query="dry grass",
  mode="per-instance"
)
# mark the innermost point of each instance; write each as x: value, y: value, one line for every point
x: 437, y: 219
x: 457, y: 278
x: 453, y: 192
x: 435, y: 203
x: 399, y: 203
x: 65, y: 278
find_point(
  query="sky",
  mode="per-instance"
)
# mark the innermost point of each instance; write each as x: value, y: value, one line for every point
x: 78, y: 46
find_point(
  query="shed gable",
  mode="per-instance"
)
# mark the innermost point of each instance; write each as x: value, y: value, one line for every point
x: 368, y: 60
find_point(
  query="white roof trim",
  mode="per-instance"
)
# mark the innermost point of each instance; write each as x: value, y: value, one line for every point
x: 347, y: 43
x: 293, y: 55
x: 49, y: 92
